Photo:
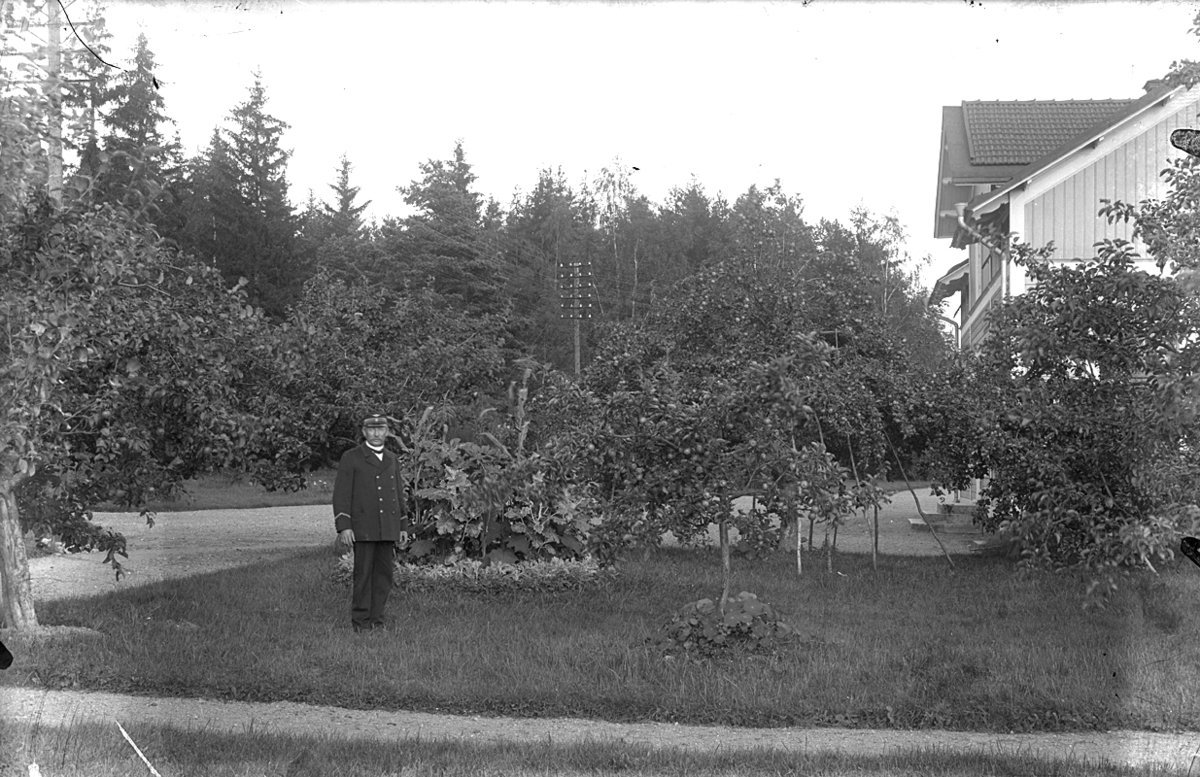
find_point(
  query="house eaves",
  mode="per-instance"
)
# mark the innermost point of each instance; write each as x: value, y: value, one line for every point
x: 985, y: 143
x: 1090, y: 138
x: 956, y: 174
x: 953, y: 281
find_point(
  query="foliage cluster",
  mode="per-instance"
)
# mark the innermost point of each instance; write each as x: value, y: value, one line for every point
x: 672, y: 456
x: 744, y: 625
x: 351, y: 350
x: 489, y: 502
x: 484, y: 494
x: 55, y: 518
x: 1082, y: 413
x: 123, y: 364
x: 738, y: 388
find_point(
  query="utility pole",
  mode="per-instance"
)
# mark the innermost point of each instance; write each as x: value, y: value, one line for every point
x: 575, y: 293
x: 54, y: 95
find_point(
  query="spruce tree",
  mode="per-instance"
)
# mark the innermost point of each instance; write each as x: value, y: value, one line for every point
x: 267, y: 255
x: 345, y: 219
x: 212, y: 206
x: 144, y: 165
x: 444, y: 242
x: 333, y: 239
x: 237, y: 210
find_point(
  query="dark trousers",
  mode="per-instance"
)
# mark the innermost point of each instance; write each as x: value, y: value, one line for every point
x: 372, y: 582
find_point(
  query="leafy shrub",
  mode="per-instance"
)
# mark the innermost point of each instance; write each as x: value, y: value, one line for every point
x: 491, y: 500
x: 1084, y: 417
x: 57, y: 517
x: 477, y: 501
x: 474, y: 576
x: 747, y: 625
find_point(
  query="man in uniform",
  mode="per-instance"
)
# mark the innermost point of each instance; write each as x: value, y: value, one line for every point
x: 370, y: 516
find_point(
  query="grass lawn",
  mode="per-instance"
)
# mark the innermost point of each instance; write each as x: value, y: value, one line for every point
x: 95, y: 750
x: 915, y: 645
x: 229, y: 491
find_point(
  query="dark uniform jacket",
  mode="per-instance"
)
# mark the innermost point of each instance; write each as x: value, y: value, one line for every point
x: 368, y: 496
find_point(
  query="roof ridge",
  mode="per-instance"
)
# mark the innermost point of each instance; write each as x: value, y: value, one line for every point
x: 1054, y: 102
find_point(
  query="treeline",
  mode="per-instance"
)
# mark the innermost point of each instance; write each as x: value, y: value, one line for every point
x: 230, y: 206
x: 336, y: 316
x: 167, y: 317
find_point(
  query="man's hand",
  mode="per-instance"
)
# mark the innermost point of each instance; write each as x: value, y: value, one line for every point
x: 346, y: 538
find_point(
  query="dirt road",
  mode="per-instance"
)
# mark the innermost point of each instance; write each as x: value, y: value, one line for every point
x: 52, y: 708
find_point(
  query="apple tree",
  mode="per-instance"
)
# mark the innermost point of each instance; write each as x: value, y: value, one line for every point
x: 668, y: 451
x: 122, y: 368
x: 1085, y: 424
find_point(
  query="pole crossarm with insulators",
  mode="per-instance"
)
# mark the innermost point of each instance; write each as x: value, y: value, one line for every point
x: 576, y: 294
x: 575, y: 289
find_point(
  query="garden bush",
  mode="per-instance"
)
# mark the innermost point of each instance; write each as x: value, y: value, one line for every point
x: 748, y: 625
x: 491, y: 500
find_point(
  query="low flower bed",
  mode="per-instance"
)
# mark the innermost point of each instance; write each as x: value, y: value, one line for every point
x: 473, y: 576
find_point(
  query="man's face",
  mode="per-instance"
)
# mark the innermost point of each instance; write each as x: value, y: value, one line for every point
x: 375, y: 434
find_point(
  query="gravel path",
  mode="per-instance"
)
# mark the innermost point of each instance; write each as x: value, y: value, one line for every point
x: 1134, y: 748
x: 190, y: 543
x: 194, y: 542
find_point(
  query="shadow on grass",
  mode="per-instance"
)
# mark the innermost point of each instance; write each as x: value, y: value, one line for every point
x: 915, y: 645
x: 231, y: 491
x: 95, y: 750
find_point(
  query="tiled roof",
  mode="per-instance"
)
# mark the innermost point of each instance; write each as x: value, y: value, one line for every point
x: 1017, y: 132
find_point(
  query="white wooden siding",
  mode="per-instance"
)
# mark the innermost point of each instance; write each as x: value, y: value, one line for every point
x: 1066, y: 213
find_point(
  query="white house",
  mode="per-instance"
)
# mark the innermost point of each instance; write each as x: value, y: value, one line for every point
x: 1039, y: 169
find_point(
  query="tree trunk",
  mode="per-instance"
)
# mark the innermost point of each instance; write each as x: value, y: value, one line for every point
x: 16, y: 592
x: 723, y: 528
x: 799, y: 544
x: 875, y: 544
x: 633, y: 293
x: 792, y: 524
x: 828, y: 552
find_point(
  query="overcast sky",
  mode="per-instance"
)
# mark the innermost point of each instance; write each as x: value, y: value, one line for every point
x: 840, y: 100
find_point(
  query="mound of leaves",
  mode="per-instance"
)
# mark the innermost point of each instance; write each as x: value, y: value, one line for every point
x: 475, y: 576
x: 748, y: 625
